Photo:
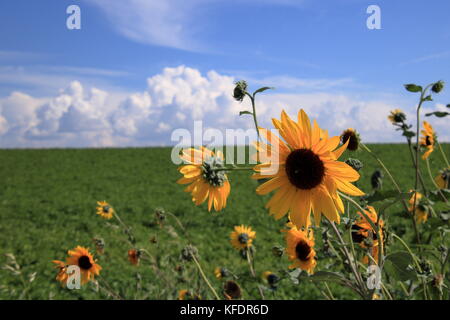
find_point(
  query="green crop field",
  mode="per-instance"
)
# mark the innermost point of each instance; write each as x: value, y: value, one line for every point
x: 48, y: 206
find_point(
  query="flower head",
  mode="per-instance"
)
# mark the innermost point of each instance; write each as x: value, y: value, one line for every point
x: 438, y: 86
x: 421, y: 211
x: 443, y: 179
x: 427, y: 140
x: 300, y: 249
x: 206, y: 177
x: 397, y: 116
x: 309, y: 174
x: 232, y: 290
x: 82, y: 258
x: 134, y: 256
x: 242, y: 237
x: 353, y: 138
x: 240, y: 90
x: 221, y: 273
x: 365, y: 235
x: 105, y: 210
x: 188, y: 295
x: 62, y: 271
x: 271, y: 279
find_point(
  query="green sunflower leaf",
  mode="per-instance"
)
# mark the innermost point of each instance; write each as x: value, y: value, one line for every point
x: 439, y: 114
x: 245, y: 112
x: 413, y: 88
x: 324, y: 276
x: 262, y: 90
x: 399, y: 264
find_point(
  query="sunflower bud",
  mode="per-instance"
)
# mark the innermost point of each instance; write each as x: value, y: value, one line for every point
x: 377, y: 179
x: 99, y: 245
x: 438, y: 86
x: 277, y: 251
x: 354, y: 163
x: 240, y: 90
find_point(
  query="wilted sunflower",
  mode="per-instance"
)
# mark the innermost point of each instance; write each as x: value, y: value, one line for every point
x: 300, y: 249
x: 82, y: 258
x: 427, y: 139
x: 62, y: 271
x: 421, y: 213
x: 134, y: 256
x: 231, y: 290
x: 206, y: 177
x: 353, y: 138
x: 363, y: 233
x: 242, y: 237
x: 443, y: 179
x: 221, y: 273
x: 397, y: 116
x: 308, y: 175
x: 105, y: 210
x: 188, y: 295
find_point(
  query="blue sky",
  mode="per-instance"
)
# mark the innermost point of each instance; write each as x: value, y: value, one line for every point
x: 139, y: 69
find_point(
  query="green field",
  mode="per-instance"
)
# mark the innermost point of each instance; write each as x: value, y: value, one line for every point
x: 47, y: 206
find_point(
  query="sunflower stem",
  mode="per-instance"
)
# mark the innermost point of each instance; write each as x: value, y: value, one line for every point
x: 434, y: 182
x: 443, y: 153
x: 204, y: 277
x: 252, y: 270
x: 255, y: 120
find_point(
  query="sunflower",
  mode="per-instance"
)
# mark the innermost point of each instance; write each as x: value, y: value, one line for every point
x: 242, y: 237
x: 300, y: 249
x: 308, y: 175
x: 443, y: 179
x: 134, y: 256
x: 231, y: 290
x: 188, y: 295
x: 204, y: 172
x: 271, y: 278
x: 105, y: 210
x: 428, y: 139
x: 397, y: 116
x: 353, y: 137
x: 365, y: 235
x: 421, y: 213
x: 221, y: 273
x: 82, y: 258
x: 62, y: 271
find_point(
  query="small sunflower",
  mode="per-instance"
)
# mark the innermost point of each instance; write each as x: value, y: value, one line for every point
x: 105, y: 210
x: 397, y: 116
x: 421, y: 213
x: 443, y: 179
x: 204, y: 172
x: 221, y: 273
x: 309, y: 175
x: 242, y: 237
x: 188, y: 295
x: 427, y: 139
x: 134, y: 256
x: 271, y: 278
x: 62, y: 271
x: 232, y: 290
x: 82, y: 258
x: 352, y: 136
x: 300, y: 249
x: 365, y: 235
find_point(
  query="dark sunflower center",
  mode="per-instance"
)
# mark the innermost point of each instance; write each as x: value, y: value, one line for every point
x: 304, y: 169
x: 106, y: 209
x: 84, y: 263
x: 353, y: 143
x: 357, y: 237
x: 272, y: 278
x: 302, y: 250
x: 243, y: 238
x: 428, y: 141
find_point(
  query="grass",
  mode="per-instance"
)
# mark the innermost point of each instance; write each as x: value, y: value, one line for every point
x: 47, y: 206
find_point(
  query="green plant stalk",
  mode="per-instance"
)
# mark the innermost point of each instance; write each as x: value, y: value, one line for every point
x: 204, y: 277
x: 252, y: 271
x: 434, y: 182
x: 416, y: 230
x: 255, y: 120
x: 443, y: 154
x: 414, y: 163
x: 351, y: 259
